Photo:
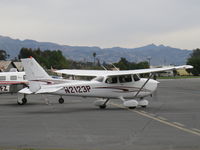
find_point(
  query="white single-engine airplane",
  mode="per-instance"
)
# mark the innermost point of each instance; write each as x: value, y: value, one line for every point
x: 124, y: 85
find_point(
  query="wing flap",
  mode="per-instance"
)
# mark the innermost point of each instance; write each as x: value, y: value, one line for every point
x: 25, y: 91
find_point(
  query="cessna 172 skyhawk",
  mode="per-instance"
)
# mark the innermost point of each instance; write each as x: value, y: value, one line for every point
x: 124, y: 85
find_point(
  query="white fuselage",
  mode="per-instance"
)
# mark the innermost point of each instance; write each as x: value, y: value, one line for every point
x: 105, y: 90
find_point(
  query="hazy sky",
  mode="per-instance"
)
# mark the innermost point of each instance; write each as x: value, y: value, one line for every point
x: 104, y: 23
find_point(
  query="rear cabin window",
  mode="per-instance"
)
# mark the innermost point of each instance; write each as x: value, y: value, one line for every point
x: 126, y: 78
x: 136, y: 77
x: 111, y: 80
x: 13, y: 77
x: 2, y: 78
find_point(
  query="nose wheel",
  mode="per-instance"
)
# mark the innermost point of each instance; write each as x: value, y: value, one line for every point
x: 102, y: 106
x: 61, y: 100
x: 144, y: 106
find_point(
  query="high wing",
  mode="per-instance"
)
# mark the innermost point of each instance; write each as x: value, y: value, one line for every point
x: 117, y: 73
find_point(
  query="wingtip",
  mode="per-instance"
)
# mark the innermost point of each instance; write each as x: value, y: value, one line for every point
x: 188, y: 67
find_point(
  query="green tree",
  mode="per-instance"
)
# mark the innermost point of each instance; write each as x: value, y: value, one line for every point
x: 194, y: 60
x: 124, y: 64
x: 25, y: 53
x: 46, y: 58
x: 3, y: 55
x: 94, y: 55
x: 142, y: 65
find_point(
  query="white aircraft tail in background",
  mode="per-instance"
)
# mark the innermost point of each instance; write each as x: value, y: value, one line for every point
x: 124, y: 85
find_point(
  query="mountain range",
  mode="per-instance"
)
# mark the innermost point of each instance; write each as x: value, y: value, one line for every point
x: 156, y: 54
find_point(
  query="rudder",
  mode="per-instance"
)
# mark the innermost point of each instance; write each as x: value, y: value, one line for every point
x: 34, y: 73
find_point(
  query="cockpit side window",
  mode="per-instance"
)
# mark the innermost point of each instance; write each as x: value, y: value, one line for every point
x: 136, y: 77
x: 111, y: 80
x: 125, y: 78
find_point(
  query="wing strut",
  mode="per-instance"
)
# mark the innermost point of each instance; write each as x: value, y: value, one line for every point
x: 143, y: 85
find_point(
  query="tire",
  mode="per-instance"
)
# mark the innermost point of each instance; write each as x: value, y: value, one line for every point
x: 144, y: 106
x: 24, y: 100
x: 102, y: 106
x: 19, y: 103
x: 61, y: 100
x: 132, y: 107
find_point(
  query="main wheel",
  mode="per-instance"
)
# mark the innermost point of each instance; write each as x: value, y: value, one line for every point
x: 20, y: 103
x: 102, y: 106
x: 61, y: 100
x: 132, y: 107
x: 144, y: 106
x: 24, y: 100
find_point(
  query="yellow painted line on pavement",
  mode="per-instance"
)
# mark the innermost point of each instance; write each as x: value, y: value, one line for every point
x: 179, y: 124
x: 151, y: 114
x: 196, y: 129
x: 160, y: 120
x: 143, y: 111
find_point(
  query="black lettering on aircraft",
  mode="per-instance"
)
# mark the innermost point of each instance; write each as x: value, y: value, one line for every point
x: 71, y: 89
x: 3, y: 89
x: 77, y: 89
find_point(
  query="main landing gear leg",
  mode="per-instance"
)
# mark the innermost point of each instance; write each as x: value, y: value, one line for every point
x: 101, y: 103
x: 104, y: 104
x: 61, y: 100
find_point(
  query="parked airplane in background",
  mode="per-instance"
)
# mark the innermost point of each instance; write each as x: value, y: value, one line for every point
x: 124, y: 85
x: 9, y: 79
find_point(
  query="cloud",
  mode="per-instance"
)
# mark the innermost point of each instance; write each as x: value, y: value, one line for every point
x: 105, y: 23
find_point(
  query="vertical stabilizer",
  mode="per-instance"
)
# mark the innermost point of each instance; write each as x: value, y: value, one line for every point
x: 34, y: 74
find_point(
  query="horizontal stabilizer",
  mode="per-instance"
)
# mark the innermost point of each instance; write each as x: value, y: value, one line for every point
x: 49, y: 90
x: 25, y: 91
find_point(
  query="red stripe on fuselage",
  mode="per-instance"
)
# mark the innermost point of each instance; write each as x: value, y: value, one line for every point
x: 13, y: 82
